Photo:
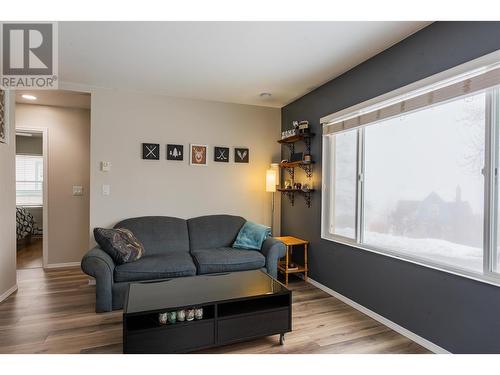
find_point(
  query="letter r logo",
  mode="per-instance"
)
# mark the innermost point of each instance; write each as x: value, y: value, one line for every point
x: 27, y: 49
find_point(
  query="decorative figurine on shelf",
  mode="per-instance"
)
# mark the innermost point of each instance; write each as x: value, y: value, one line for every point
x: 297, y: 185
x: 288, y: 184
x: 190, y: 314
x: 162, y: 318
x: 172, y: 317
x: 289, y: 133
x: 198, y: 313
x: 303, y: 127
x: 306, y: 188
x: 181, y: 315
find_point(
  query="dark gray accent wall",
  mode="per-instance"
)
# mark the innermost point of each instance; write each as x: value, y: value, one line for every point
x: 459, y: 314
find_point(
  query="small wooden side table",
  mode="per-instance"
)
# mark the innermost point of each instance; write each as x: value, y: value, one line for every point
x: 284, y: 265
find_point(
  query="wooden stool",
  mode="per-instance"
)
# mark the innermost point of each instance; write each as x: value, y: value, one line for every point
x: 283, y: 266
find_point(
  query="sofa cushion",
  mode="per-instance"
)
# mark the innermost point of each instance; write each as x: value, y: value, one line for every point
x: 214, y: 231
x: 251, y: 236
x: 227, y: 259
x: 159, y: 234
x: 120, y: 244
x: 150, y: 267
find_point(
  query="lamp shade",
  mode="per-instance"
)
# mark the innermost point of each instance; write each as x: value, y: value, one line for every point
x: 271, y: 180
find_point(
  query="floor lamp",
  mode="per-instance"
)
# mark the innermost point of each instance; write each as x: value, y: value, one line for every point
x: 271, y: 188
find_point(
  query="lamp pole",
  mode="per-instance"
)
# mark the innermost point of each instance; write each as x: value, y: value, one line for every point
x: 271, y: 178
x: 272, y: 214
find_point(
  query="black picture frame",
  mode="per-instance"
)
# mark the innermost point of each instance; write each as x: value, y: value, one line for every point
x: 221, y: 154
x: 297, y: 156
x: 175, y: 152
x: 241, y: 155
x: 151, y: 151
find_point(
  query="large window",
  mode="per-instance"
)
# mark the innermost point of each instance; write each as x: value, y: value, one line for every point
x: 419, y: 184
x: 423, y: 183
x: 29, y: 180
x: 343, y: 204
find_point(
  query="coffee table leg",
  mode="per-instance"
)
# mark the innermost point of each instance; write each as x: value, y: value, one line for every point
x: 282, y: 339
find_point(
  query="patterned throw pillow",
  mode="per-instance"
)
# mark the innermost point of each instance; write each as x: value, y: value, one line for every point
x: 120, y: 244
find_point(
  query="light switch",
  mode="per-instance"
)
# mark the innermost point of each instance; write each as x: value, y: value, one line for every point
x: 106, y: 189
x: 77, y: 190
x: 105, y: 166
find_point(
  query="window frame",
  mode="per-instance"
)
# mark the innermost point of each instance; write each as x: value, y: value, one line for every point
x: 491, y: 269
x: 35, y: 181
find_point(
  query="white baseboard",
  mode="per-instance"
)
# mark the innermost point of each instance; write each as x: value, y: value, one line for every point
x: 8, y: 293
x: 62, y: 265
x: 388, y: 323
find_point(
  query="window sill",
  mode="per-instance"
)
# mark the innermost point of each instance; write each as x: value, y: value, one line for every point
x: 491, y: 279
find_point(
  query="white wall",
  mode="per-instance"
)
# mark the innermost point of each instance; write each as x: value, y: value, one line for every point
x: 121, y: 121
x: 8, y: 209
x: 68, y: 165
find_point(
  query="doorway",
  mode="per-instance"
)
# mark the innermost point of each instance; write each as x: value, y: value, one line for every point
x: 30, y: 196
x: 52, y: 178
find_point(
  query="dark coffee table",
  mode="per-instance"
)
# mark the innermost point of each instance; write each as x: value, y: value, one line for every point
x: 236, y: 307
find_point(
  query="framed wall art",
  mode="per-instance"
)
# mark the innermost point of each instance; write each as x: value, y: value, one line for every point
x: 175, y: 152
x: 241, y: 155
x: 198, y: 155
x: 4, y: 125
x: 221, y: 154
x: 151, y: 151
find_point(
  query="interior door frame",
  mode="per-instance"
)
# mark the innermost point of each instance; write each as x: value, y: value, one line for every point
x: 45, y: 185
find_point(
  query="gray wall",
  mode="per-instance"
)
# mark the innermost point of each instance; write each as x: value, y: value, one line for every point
x: 458, y: 314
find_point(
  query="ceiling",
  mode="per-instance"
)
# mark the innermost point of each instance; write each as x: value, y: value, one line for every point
x: 59, y: 98
x: 222, y: 61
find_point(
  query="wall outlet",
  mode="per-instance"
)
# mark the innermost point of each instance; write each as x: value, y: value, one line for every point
x: 77, y: 190
x: 106, y: 190
x: 105, y: 166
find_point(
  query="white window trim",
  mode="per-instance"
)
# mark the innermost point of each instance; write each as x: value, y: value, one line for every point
x: 490, y: 171
x: 458, y: 73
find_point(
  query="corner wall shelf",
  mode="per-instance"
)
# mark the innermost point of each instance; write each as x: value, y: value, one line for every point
x: 290, y: 141
x: 306, y: 166
x: 290, y: 193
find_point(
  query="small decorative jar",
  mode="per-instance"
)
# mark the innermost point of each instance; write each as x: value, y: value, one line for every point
x: 198, y: 313
x: 162, y: 318
x: 189, y: 315
x: 181, y: 315
x: 172, y: 317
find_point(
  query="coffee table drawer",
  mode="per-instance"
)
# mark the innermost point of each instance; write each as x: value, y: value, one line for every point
x: 236, y: 328
x: 178, y: 338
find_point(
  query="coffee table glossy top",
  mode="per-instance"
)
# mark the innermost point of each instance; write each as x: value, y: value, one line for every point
x: 198, y: 290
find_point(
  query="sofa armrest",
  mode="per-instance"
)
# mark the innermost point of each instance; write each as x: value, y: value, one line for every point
x: 99, y: 265
x: 273, y: 250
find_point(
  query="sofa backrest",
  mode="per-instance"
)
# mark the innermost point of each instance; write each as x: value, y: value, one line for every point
x: 159, y: 234
x: 207, y: 232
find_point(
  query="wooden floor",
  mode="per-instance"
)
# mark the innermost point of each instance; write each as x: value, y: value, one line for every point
x: 30, y: 256
x: 53, y: 312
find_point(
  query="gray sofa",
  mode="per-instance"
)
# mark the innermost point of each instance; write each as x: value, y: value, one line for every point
x: 175, y: 248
